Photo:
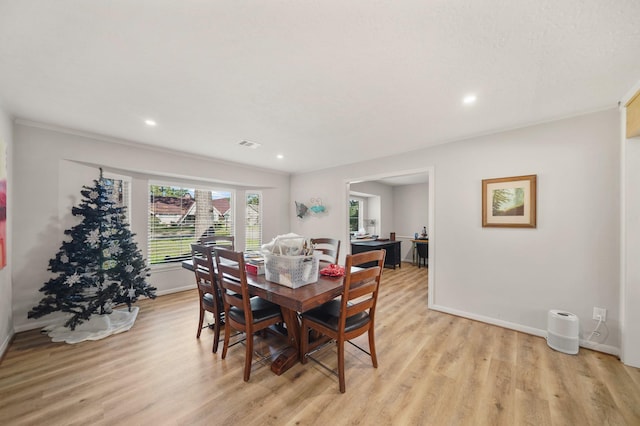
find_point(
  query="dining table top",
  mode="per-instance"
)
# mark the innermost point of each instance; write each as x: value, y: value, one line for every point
x: 299, y: 299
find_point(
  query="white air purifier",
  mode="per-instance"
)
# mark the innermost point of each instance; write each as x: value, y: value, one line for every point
x: 563, y: 329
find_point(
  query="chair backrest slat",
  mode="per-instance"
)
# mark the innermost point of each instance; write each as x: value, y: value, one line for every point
x: 329, y: 247
x: 224, y: 241
x: 203, y: 267
x: 360, y: 291
x: 232, y: 279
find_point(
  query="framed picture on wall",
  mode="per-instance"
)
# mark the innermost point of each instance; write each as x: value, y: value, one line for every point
x: 509, y: 202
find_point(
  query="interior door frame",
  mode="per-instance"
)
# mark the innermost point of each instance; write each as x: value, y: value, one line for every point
x: 430, y: 171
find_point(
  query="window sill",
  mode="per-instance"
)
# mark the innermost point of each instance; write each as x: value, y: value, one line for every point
x: 164, y: 267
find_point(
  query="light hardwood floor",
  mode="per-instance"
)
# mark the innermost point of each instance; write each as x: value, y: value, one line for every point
x: 434, y: 369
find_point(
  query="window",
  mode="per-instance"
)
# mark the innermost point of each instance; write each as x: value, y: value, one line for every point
x: 120, y: 189
x: 356, y: 213
x: 253, y: 227
x: 180, y: 216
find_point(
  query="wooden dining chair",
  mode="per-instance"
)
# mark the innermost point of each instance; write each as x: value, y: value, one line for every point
x: 242, y: 312
x: 329, y: 247
x: 208, y: 291
x: 224, y: 241
x: 353, y: 313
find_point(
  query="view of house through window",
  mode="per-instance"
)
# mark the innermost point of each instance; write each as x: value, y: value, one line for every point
x: 253, y: 229
x: 180, y: 216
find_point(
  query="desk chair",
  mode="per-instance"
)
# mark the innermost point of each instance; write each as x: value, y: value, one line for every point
x: 352, y: 314
x: 330, y: 248
x: 242, y: 312
x: 208, y: 292
x: 423, y: 253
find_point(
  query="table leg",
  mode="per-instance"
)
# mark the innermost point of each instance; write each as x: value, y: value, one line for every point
x: 413, y: 253
x: 290, y: 355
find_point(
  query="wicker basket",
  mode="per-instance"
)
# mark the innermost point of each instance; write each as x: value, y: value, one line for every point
x: 291, y: 271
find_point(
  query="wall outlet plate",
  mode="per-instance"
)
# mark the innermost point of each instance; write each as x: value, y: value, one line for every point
x: 599, y: 313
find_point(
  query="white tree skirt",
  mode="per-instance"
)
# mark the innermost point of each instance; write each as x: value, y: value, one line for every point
x: 96, y: 328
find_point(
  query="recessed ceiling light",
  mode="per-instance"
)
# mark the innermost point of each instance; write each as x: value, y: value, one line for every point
x: 280, y: 156
x: 150, y: 123
x: 469, y: 99
x: 248, y: 144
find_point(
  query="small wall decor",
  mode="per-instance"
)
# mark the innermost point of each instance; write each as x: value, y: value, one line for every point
x: 301, y: 210
x: 509, y: 202
x: 315, y: 208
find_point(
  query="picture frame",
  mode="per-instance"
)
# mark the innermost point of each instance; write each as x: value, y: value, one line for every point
x: 509, y: 202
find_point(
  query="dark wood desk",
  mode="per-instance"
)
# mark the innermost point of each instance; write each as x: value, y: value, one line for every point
x: 392, y: 257
x: 291, y: 301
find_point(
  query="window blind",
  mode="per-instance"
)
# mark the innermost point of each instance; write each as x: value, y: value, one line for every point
x: 120, y: 191
x: 253, y: 224
x: 180, y: 216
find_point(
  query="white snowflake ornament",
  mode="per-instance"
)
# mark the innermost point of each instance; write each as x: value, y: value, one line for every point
x: 72, y: 279
x: 94, y: 237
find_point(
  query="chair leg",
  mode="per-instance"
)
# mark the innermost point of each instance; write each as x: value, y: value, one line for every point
x: 216, y: 334
x: 304, y: 342
x: 372, y: 347
x: 200, y: 323
x: 248, y: 356
x: 227, y: 332
x: 340, y: 344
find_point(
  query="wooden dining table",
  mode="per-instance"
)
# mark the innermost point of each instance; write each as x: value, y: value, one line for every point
x: 292, y: 301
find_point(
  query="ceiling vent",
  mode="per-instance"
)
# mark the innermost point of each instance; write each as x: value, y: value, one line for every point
x: 248, y: 144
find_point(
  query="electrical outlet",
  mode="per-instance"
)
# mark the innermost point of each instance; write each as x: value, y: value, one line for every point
x: 599, y: 313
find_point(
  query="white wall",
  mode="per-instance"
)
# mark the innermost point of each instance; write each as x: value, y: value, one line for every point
x: 512, y: 277
x: 631, y: 352
x: 51, y: 165
x: 6, y: 295
x: 411, y: 213
x: 631, y: 228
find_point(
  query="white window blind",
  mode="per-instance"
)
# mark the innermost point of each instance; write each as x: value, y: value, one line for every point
x: 180, y: 216
x: 120, y: 190
x: 253, y: 224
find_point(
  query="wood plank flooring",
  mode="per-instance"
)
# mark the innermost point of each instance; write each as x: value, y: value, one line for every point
x: 434, y: 369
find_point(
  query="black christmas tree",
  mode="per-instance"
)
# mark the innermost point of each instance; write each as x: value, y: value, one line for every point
x: 100, y: 267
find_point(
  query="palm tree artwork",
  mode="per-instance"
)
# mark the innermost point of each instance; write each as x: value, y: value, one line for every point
x: 508, y: 202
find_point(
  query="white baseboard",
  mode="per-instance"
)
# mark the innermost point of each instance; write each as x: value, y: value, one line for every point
x: 32, y: 325
x: 5, y: 344
x: 175, y: 290
x: 612, y: 350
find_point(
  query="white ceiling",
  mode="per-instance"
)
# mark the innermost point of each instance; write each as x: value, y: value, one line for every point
x: 324, y: 83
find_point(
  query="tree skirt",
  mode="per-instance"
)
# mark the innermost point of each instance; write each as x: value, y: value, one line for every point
x: 98, y: 327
